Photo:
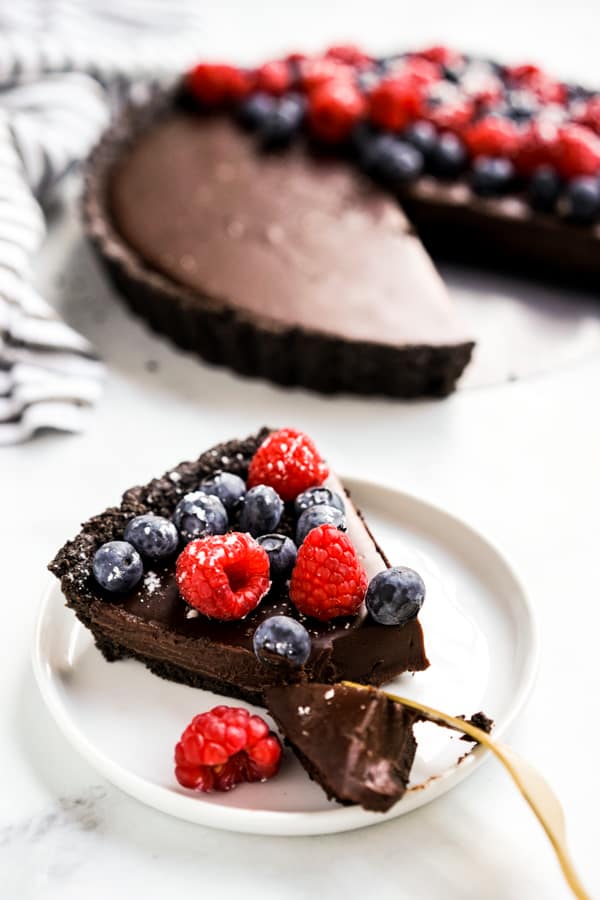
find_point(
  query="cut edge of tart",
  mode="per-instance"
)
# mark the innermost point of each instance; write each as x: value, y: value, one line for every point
x: 152, y: 623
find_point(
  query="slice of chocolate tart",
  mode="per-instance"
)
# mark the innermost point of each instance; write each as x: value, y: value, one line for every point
x: 358, y: 745
x: 152, y: 623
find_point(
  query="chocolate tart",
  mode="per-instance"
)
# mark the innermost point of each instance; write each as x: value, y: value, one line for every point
x: 358, y: 745
x: 154, y: 625
x: 291, y: 267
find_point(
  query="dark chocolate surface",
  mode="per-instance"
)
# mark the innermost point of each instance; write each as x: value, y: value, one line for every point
x: 153, y: 623
x: 358, y: 745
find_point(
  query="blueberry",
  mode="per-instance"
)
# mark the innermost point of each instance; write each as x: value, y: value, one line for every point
x: 281, y: 124
x: 255, y: 109
x: 317, y: 496
x: 492, y: 175
x: 544, y: 188
x: 371, y: 147
x: 521, y: 105
x: 117, y: 566
x: 395, y: 596
x: 229, y: 488
x: 281, y: 640
x: 262, y: 510
x: 422, y: 135
x: 318, y: 515
x: 153, y: 536
x: 282, y: 553
x: 581, y: 201
x: 199, y: 514
x: 396, y: 163
x: 449, y: 156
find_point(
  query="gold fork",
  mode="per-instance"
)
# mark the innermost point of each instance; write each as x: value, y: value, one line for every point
x: 532, y: 786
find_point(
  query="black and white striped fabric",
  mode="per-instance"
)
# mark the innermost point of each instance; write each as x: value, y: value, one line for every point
x: 64, y: 67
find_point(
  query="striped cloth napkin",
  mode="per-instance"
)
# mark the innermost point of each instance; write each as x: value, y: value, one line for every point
x: 65, y: 66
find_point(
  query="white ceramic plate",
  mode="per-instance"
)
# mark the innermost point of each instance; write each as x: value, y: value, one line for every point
x: 480, y: 636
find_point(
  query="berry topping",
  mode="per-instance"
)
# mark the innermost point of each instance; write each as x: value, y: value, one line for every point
x: 334, y: 108
x: 262, y: 510
x: 492, y: 175
x: 395, y: 162
x: 581, y: 202
x: 225, y: 747
x: 316, y: 72
x: 274, y: 77
x: 281, y: 641
x: 536, y: 148
x: 454, y: 116
x: 491, y: 137
x: 544, y: 188
x: 153, y: 536
x: 422, y: 135
x: 449, y: 156
x: 577, y: 151
x: 328, y: 579
x: 349, y: 54
x: 318, y: 515
x: 282, y: 553
x: 289, y: 462
x: 589, y: 114
x: 317, y: 496
x: 281, y: 124
x: 223, y: 576
x: 198, y: 514
x: 255, y: 109
x: 117, y: 566
x: 395, y: 102
x: 395, y: 596
x: 229, y: 488
x: 214, y: 84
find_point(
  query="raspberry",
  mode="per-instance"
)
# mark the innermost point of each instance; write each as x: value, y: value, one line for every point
x: 316, y: 72
x: 225, y: 747
x: 590, y: 115
x: 224, y: 576
x: 334, y: 108
x: 274, y: 78
x: 328, y: 579
x: 420, y: 71
x: 444, y: 56
x: 452, y: 117
x: 349, y: 54
x: 536, y: 148
x: 491, y: 137
x: 395, y: 102
x: 215, y: 84
x: 536, y: 80
x: 289, y: 462
x: 576, y: 151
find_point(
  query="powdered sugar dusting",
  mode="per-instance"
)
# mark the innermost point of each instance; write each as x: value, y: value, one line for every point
x: 151, y: 582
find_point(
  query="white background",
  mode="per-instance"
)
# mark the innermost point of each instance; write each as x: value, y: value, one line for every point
x: 519, y: 460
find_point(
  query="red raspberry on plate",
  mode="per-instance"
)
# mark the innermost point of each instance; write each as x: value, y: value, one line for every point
x: 288, y: 461
x: 274, y: 77
x: 576, y: 151
x: 395, y: 102
x: 223, y: 576
x: 214, y: 83
x: 334, y: 108
x: 328, y: 579
x: 225, y: 747
x: 492, y: 137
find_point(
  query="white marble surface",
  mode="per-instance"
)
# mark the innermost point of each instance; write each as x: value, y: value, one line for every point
x: 520, y: 460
